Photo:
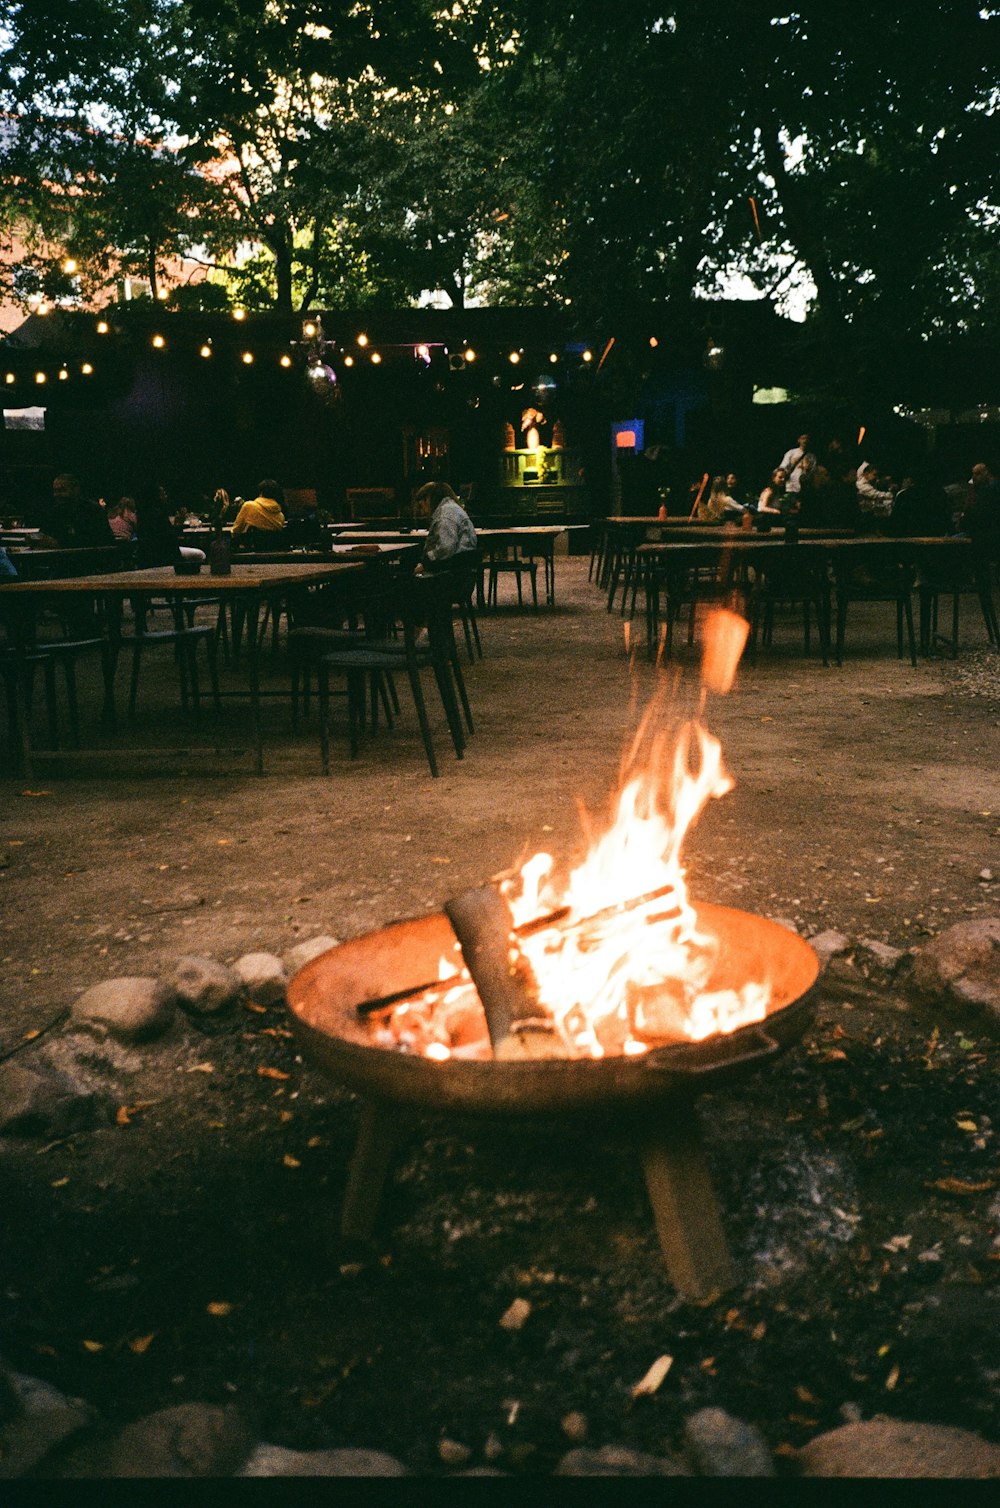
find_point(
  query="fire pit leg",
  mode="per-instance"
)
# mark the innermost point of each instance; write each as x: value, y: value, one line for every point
x: 688, y: 1225
x: 378, y: 1135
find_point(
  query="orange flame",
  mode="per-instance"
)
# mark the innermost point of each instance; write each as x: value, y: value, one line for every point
x: 625, y: 966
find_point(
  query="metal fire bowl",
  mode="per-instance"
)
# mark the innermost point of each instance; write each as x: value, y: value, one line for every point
x: 324, y: 998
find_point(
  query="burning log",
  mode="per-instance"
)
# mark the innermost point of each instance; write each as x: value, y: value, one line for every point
x: 507, y: 986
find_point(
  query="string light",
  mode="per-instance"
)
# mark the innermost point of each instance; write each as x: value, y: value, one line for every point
x: 69, y: 265
x: 206, y: 350
x: 63, y: 374
x: 309, y: 329
x: 470, y: 354
x: 348, y: 361
x: 362, y: 339
x: 514, y: 358
x: 159, y: 342
x: 285, y: 361
x: 10, y: 379
x: 553, y: 357
x: 40, y: 378
x: 102, y: 327
x: 239, y: 314
x: 247, y: 358
x: 162, y: 295
x: 588, y: 355
x: 87, y: 369
x: 376, y: 358
x: 653, y: 342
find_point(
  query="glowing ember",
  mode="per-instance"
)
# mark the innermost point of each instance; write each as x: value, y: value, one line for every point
x: 618, y: 962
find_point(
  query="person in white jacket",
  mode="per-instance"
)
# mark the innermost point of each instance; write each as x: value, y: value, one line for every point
x: 871, y: 499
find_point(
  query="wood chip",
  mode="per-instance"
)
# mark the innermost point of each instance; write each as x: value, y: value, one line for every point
x: 649, y: 1384
x: 514, y: 1317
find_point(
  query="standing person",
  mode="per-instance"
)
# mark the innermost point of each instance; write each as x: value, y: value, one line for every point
x: 451, y: 536
x: 795, y: 462
x: 71, y: 521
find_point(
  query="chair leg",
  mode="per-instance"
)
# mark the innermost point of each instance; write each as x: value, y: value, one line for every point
x: 133, y: 691
x: 456, y: 671
x: 841, y: 626
x: 534, y: 587
x: 189, y: 658
x: 69, y: 672
x: 908, y: 610
x: 323, y: 680
x: 356, y: 709
x: 418, y: 702
x: 213, y: 671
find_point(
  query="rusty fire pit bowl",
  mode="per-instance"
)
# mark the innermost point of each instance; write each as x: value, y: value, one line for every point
x: 325, y: 995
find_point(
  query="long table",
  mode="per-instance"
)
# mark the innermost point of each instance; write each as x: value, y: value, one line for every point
x: 533, y: 539
x: 251, y: 584
x: 943, y: 564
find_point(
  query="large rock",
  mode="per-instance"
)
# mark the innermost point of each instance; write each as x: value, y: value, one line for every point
x: 130, y: 1009
x: 36, y: 1418
x: 883, y: 1447
x: 276, y: 1461
x: 203, y: 986
x: 616, y: 1461
x: 36, y: 1100
x: 304, y: 952
x: 189, y: 1440
x: 722, y: 1446
x: 263, y: 976
x: 960, y: 968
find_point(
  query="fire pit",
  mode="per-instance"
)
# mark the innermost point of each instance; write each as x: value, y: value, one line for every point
x: 652, y: 1094
x: 604, y: 993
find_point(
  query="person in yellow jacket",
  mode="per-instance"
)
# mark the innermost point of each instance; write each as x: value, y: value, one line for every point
x: 262, y: 513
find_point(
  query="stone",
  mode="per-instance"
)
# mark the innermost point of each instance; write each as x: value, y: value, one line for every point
x: 574, y: 1426
x: 204, y: 987
x: 36, y: 1418
x: 189, y: 1440
x: 304, y: 952
x: 881, y: 957
x: 36, y: 1100
x: 275, y: 1461
x: 129, y: 1009
x: 263, y: 976
x: 830, y: 945
x: 723, y: 1446
x: 453, y: 1452
x: 960, y: 969
x: 786, y: 922
x: 882, y: 1447
x: 616, y: 1461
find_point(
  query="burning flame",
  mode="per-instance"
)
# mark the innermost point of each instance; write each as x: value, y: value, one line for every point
x: 617, y: 960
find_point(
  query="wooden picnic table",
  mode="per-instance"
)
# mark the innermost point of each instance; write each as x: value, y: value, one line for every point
x: 252, y: 585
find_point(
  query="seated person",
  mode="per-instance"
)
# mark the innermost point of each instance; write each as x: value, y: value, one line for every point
x: 71, y: 521
x: 773, y: 494
x: 157, y: 537
x: 873, y: 501
x: 921, y: 507
x: 719, y: 505
x: 260, y: 519
x: 451, y: 537
x: 122, y: 518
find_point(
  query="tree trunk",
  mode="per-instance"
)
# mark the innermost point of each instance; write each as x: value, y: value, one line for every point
x: 807, y: 239
x: 151, y: 269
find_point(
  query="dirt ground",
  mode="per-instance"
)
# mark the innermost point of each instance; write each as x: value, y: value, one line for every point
x: 867, y: 800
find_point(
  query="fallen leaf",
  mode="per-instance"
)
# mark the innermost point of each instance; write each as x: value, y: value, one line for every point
x: 804, y: 1396
x: 892, y: 1379
x: 93, y: 1345
x: 803, y: 1420
x: 290, y: 1162
x: 514, y: 1317
x: 962, y: 1186
x: 967, y: 1125
x: 222, y: 842
x: 272, y: 1073
x: 834, y: 1054
x: 30, y: 1036
x: 219, y: 1309
x: 314, y: 1141
x: 60, y: 1183
x: 251, y: 1005
x: 201, y: 1068
x: 647, y: 1386
x: 897, y: 1243
x: 759, y: 1330
x: 436, y: 860
x: 142, y: 1343
x: 36, y: 793
x: 122, y: 1115
x: 274, y: 1031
